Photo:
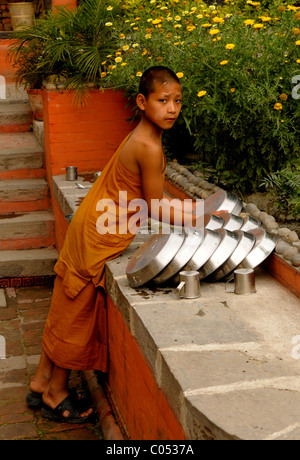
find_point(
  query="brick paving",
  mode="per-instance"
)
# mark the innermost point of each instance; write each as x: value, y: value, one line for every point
x: 23, y: 312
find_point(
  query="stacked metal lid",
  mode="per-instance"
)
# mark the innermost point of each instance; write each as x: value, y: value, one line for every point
x: 228, y: 241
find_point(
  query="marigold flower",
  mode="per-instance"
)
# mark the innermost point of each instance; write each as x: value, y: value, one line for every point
x: 139, y: 74
x: 283, y: 97
x: 249, y: 22
x: 258, y: 26
x: 278, y: 106
x: 177, y: 18
x: 147, y: 36
x: 232, y: 90
x: 109, y: 8
x: 223, y: 62
x: 122, y: 36
x: 229, y: 46
x: 265, y: 18
x: 180, y: 74
x: 298, y: 61
x: 206, y: 25
x: 156, y: 21
x: 296, y: 31
x: 201, y: 93
x: 214, y: 31
x: 118, y: 59
x: 298, y: 42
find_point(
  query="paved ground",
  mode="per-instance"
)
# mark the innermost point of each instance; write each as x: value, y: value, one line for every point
x: 23, y: 313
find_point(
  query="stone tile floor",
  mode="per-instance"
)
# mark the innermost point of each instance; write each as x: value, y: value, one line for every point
x: 23, y: 312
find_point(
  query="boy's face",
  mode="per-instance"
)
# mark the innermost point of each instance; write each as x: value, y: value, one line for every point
x: 162, y: 107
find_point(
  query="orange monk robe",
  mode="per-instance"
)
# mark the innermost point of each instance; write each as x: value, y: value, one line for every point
x: 75, y: 335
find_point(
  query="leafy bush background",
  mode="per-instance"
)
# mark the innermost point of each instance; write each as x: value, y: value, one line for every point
x: 238, y: 115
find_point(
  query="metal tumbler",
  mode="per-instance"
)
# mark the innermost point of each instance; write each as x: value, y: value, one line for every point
x: 244, y: 281
x: 189, y: 285
x: 71, y: 173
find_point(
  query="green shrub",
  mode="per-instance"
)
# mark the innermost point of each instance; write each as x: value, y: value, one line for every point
x: 236, y: 65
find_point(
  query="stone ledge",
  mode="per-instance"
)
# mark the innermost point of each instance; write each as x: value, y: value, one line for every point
x: 223, y: 361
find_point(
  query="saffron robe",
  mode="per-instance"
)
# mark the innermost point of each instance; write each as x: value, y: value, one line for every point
x: 75, y: 335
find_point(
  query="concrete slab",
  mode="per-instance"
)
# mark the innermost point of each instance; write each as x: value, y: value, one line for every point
x: 31, y: 262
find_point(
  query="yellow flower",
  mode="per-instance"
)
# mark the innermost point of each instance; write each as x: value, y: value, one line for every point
x: 118, y: 59
x: 135, y: 45
x: 123, y: 64
x: 156, y: 21
x: 108, y: 24
x: 214, y: 31
x: 206, y: 25
x: 258, y: 26
x: 144, y: 52
x: 177, y: 18
x: 218, y: 20
x: 223, y: 62
x: 180, y: 74
x: 297, y: 16
x: 298, y: 61
x: 147, y: 36
x: 281, y: 9
x: 283, y: 97
x: 201, y: 93
x: 190, y: 28
x: 298, y: 42
x: 139, y: 74
x: 278, y: 106
x: 125, y: 47
x: 249, y: 22
x: 265, y: 18
x: 122, y: 36
x: 103, y: 74
x: 296, y: 31
x: 232, y: 90
x: 109, y: 8
x: 229, y: 46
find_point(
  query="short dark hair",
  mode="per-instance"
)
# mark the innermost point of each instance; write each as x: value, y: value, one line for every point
x: 154, y: 74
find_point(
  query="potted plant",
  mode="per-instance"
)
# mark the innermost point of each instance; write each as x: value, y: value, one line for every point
x: 21, y: 13
x: 65, y: 48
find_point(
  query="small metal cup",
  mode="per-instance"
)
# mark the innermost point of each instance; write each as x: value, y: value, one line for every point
x: 71, y: 173
x: 244, y: 281
x: 189, y: 285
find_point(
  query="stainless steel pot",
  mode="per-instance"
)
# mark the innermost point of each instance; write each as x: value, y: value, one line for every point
x: 152, y: 257
x: 264, y: 246
x: 228, y: 243
x: 231, y: 221
x: 223, y: 201
x: 246, y: 242
x: 192, y: 241
x: 250, y: 222
x: 213, y: 222
x: 208, y: 246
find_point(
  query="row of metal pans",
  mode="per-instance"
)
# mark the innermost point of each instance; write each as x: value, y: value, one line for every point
x: 227, y: 242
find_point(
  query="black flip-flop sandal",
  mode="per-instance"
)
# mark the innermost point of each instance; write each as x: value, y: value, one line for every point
x: 68, y: 404
x: 35, y: 400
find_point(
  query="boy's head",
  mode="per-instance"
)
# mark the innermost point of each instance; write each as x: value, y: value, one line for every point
x: 153, y: 75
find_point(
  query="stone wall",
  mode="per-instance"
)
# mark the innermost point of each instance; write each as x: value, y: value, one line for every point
x: 5, y: 22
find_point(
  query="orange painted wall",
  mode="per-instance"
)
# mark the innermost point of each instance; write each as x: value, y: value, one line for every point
x: 69, y: 3
x: 85, y: 137
x: 6, y: 69
x: 144, y: 408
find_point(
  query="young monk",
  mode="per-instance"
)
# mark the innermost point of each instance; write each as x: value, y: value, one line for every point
x: 75, y: 332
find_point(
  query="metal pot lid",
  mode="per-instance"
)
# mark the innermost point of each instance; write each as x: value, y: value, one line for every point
x: 232, y: 222
x: 192, y: 241
x: 246, y: 242
x: 223, y: 201
x: 264, y: 246
x: 208, y: 246
x: 228, y: 243
x: 250, y: 222
x: 152, y: 257
x: 213, y: 222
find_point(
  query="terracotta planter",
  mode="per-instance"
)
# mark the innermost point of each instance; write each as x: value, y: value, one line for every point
x: 36, y: 103
x: 21, y: 14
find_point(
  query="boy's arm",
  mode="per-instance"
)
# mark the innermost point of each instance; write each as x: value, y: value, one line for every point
x: 161, y: 207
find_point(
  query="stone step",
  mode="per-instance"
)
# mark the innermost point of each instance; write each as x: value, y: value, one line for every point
x: 24, y: 195
x: 15, y: 117
x: 27, y: 231
x: 27, y: 262
x: 14, y: 93
x: 20, y: 153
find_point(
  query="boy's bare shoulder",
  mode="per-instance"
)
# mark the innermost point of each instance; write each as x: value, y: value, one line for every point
x: 143, y: 145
